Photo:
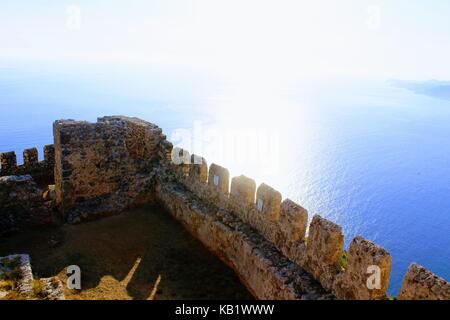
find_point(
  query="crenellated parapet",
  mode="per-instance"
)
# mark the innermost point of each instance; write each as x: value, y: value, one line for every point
x: 118, y: 162
x: 367, y: 268
x: 41, y: 171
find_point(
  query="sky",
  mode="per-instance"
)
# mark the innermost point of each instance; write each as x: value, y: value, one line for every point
x: 404, y: 39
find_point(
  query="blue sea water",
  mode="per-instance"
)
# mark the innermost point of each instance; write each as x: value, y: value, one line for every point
x: 373, y: 157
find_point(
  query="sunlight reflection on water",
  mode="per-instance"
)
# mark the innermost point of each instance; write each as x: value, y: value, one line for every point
x: 372, y: 158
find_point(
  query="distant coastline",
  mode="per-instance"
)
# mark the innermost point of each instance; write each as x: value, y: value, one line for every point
x: 433, y: 88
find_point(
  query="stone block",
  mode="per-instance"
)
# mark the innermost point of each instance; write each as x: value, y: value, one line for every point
x: 325, y: 245
x: 30, y: 157
x: 49, y: 154
x: 181, y: 162
x: 268, y: 202
x: 293, y: 221
x: 219, y: 179
x: 8, y: 161
x: 421, y: 284
x: 367, y: 274
x: 198, y: 169
x: 21, y: 204
x: 242, y: 196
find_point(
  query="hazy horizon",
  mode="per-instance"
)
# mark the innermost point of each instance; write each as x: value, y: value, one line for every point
x: 354, y: 93
x: 408, y: 40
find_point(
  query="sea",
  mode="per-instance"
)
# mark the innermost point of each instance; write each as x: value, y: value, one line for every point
x: 371, y: 154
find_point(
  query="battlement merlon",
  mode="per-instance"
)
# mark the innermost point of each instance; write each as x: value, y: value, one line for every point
x: 30, y: 157
x: 41, y: 171
x: 8, y: 161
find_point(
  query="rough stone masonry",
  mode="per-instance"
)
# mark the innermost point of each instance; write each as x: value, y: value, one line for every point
x: 118, y: 162
x: 104, y: 167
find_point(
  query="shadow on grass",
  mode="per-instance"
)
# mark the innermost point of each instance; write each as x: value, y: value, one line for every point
x: 141, y: 254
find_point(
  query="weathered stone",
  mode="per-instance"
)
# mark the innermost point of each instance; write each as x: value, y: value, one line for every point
x: 52, y: 289
x: 21, y: 268
x: 367, y: 274
x: 21, y: 204
x: 421, y: 284
x: 196, y: 178
x: 325, y: 245
x: 180, y: 162
x: 49, y: 193
x: 8, y: 161
x: 49, y: 155
x: 218, y: 178
x: 30, y: 157
x: 263, y: 269
x: 103, y: 167
x: 266, y: 214
x: 165, y: 152
x: 198, y: 169
x: 25, y: 282
x: 268, y: 202
x: 242, y: 196
x: 293, y: 221
x: 217, y: 188
x: 290, y: 234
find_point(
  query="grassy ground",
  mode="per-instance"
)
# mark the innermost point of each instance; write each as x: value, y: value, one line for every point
x: 141, y: 254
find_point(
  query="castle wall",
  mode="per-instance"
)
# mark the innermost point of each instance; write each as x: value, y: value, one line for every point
x: 104, y: 167
x: 283, y: 223
x: 260, y: 266
x: 22, y: 204
x: 41, y: 171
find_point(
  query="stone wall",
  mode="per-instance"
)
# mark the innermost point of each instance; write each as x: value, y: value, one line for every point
x: 22, y: 204
x: 366, y: 271
x: 104, y: 167
x: 266, y: 272
x: 41, y: 171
